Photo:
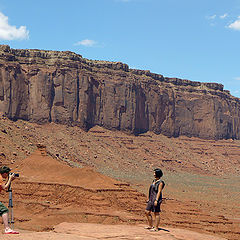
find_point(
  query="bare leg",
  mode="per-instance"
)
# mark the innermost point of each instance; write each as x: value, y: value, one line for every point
x: 5, y: 221
x: 8, y: 230
x: 149, y: 218
x: 157, y: 219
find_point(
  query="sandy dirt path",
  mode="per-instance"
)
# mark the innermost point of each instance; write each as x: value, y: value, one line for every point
x: 88, y: 231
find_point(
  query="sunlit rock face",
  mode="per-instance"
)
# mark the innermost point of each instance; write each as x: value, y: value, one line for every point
x: 63, y: 87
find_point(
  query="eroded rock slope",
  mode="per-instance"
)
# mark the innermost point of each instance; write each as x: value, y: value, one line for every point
x: 63, y: 87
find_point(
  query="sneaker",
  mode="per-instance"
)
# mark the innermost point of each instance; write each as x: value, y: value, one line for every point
x: 154, y: 230
x: 10, y: 231
x: 148, y: 227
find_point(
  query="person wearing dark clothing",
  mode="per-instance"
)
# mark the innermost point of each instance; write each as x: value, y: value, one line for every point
x: 155, y: 200
x: 4, y: 174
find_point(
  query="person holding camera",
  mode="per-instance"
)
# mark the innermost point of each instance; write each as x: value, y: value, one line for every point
x: 155, y: 200
x: 4, y: 185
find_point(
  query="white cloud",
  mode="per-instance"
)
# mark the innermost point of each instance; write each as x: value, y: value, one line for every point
x: 86, y: 43
x: 224, y: 16
x: 8, y: 32
x: 211, y: 17
x: 235, y: 25
x: 237, y: 78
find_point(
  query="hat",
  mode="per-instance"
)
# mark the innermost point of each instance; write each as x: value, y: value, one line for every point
x: 5, y: 169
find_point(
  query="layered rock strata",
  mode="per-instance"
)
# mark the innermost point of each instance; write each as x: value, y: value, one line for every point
x: 63, y: 87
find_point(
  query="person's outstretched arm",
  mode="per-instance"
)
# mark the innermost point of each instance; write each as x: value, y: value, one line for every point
x: 5, y: 186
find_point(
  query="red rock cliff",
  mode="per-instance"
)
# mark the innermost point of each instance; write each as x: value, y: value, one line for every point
x: 43, y: 86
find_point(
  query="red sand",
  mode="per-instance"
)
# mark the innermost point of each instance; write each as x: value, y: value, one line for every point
x: 50, y: 192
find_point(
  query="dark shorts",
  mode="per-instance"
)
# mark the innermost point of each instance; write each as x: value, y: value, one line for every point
x: 3, y: 209
x: 152, y: 208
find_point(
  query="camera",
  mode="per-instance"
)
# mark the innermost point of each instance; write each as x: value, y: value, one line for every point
x: 15, y: 174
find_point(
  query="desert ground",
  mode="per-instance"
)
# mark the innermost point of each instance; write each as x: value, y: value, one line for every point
x: 93, y: 185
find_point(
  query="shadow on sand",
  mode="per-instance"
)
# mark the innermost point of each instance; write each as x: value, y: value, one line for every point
x: 163, y: 229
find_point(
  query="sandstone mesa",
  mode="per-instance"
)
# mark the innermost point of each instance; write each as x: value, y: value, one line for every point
x: 63, y: 87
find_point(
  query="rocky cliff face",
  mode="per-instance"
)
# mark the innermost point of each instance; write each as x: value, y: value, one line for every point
x: 44, y: 86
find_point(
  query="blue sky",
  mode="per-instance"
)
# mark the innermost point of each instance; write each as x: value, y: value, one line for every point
x: 197, y: 40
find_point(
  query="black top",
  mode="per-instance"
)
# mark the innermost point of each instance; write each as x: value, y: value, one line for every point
x: 153, y: 190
